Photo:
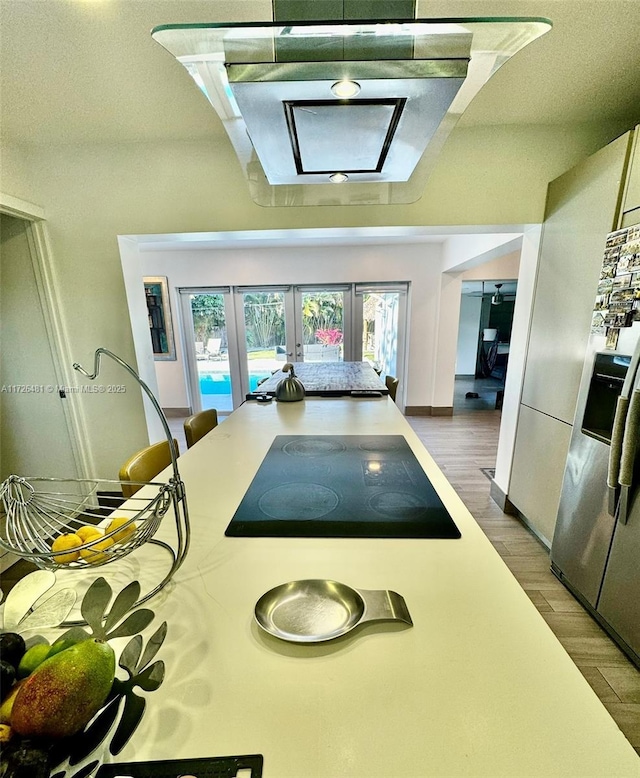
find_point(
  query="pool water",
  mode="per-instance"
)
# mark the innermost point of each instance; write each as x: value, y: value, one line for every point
x: 220, y: 383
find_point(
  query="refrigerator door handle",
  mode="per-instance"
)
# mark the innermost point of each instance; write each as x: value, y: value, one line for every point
x: 628, y: 458
x: 615, y: 451
x: 619, y: 426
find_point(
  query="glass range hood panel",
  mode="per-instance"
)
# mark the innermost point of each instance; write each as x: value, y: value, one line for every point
x: 253, y: 73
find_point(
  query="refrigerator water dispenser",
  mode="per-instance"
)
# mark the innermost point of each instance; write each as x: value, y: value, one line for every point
x: 607, y: 379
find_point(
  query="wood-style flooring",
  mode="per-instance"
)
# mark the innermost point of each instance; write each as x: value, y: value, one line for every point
x: 463, y: 445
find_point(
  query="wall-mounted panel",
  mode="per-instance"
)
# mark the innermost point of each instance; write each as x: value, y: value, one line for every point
x: 538, y: 466
x: 582, y: 207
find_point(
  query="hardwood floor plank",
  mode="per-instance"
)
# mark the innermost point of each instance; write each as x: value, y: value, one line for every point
x: 578, y: 624
x: 562, y: 601
x: 538, y: 580
x: 539, y: 601
x: 625, y: 681
x: 627, y: 717
x: 526, y: 547
x: 526, y: 564
x: 599, y: 684
x: 499, y: 547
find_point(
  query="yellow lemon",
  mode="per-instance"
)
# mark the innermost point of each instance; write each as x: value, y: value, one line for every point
x: 63, y: 543
x: 118, y: 521
x: 93, y: 554
x: 88, y: 532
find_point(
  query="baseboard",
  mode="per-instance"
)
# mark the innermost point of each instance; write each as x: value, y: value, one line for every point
x: 427, y: 410
x: 506, y: 506
x: 501, y: 500
x: 176, y: 413
x: 444, y: 410
x: 540, y: 538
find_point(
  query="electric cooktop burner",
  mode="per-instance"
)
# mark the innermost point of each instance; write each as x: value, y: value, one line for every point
x: 365, y: 486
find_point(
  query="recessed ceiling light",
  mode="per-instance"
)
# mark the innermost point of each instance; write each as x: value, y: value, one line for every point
x: 338, y: 178
x: 345, y: 88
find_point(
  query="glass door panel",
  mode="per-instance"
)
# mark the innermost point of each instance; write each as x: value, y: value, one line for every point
x: 210, y: 348
x: 380, y: 330
x: 265, y: 335
x: 321, y: 318
x: 381, y: 310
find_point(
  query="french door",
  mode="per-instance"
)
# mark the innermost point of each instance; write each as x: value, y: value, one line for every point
x: 381, y: 310
x: 211, y: 359
x: 236, y: 337
x: 323, y: 324
x: 264, y: 325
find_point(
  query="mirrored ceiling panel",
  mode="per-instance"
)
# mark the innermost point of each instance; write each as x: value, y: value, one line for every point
x: 343, y: 113
x: 364, y: 129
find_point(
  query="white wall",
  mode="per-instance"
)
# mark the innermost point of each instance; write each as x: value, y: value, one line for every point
x: 527, y: 271
x: 468, y: 329
x: 502, y: 268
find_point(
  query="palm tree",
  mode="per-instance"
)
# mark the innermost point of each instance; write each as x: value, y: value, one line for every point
x: 321, y: 311
x: 264, y: 319
x: 208, y: 316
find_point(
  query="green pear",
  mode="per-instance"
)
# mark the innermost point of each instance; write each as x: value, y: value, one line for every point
x: 64, y: 693
x: 33, y: 658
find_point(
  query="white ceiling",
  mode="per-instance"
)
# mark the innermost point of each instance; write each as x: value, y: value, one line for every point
x: 87, y: 71
x: 480, y: 288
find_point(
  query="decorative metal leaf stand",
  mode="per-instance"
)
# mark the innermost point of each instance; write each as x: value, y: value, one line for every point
x: 40, y: 509
x: 75, y: 756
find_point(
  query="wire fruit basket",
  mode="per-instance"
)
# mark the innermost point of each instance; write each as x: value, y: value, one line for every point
x: 70, y: 523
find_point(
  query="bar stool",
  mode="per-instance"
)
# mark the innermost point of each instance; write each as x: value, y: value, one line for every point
x: 144, y: 465
x: 197, y: 426
x: 392, y: 385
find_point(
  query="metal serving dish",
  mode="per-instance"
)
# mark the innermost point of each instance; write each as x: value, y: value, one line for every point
x: 314, y: 610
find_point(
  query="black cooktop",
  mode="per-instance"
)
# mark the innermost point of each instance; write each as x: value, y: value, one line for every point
x: 341, y: 486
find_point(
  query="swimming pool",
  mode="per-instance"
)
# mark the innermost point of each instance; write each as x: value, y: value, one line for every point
x: 220, y: 383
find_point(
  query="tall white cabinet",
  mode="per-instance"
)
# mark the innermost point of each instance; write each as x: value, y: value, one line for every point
x: 583, y: 205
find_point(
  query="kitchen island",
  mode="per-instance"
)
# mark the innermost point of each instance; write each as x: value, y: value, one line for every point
x: 478, y: 686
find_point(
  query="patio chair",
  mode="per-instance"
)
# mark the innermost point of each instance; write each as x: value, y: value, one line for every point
x: 200, y: 352
x: 213, y: 348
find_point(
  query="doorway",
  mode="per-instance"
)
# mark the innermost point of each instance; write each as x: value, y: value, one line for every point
x: 484, y: 342
x: 32, y: 386
x: 208, y: 327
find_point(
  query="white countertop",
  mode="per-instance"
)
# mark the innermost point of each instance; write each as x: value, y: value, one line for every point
x: 479, y: 686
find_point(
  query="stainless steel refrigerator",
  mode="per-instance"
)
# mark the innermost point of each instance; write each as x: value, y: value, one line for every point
x: 596, y: 544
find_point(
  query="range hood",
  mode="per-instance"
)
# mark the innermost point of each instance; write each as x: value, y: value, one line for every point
x: 343, y: 112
